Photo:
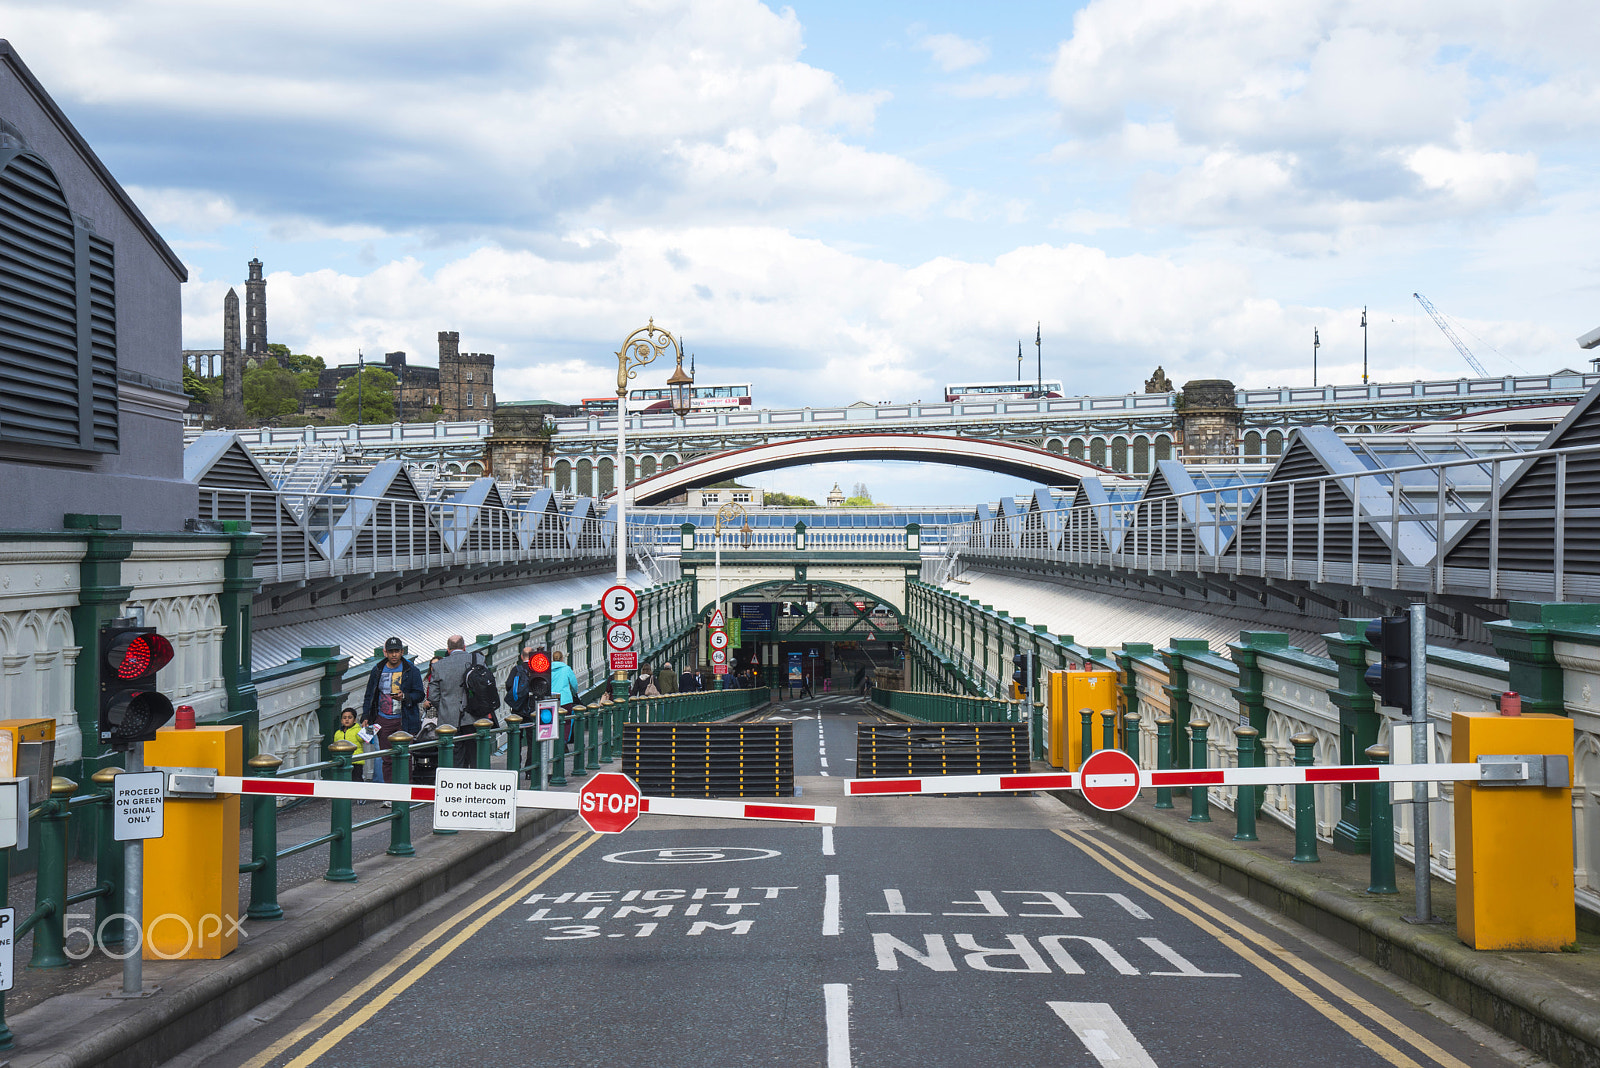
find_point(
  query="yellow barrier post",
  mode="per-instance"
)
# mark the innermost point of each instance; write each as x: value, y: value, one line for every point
x: 191, y: 873
x: 1514, y: 882
x: 1055, y: 713
x: 1095, y: 691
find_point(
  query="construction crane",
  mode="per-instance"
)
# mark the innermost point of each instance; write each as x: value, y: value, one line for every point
x: 1461, y: 347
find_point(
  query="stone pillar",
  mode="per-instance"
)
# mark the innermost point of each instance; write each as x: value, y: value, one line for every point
x: 232, y: 351
x: 518, y: 447
x: 1208, y: 418
x: 255, y: 313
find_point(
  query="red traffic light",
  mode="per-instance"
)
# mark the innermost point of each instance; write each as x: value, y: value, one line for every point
x: 539, y: 662
x: 137, y: 655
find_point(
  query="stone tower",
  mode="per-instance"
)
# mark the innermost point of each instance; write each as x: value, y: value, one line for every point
x: 232, y: 351
x: 1208, y: 418
x: 255, y: 313
x: 466, y: 380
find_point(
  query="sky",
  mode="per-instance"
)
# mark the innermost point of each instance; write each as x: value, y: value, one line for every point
x: 864, y: 201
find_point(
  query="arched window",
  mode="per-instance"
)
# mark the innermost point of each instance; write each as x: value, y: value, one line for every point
x: 1097, y: 451
x: 1274, y: 442
x: 1075, y: 449
x: 1141, y: 455
x: 1163, y: 447
x: 58, y: 338
x: 1252, y: 444
x: 607, y: 467
x: 563, y: 476
x: 649, y: 466
x: 1119, y: 454
x: 585, y: 486
x: 669, y: 462
x: 1054, y: 446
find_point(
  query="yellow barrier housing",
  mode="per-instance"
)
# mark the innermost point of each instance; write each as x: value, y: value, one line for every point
x: 191, y: 874
x: 1514, y: 880
x: 1069, y: 693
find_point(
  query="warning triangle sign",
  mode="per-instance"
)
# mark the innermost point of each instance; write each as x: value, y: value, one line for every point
x: 717, y: 620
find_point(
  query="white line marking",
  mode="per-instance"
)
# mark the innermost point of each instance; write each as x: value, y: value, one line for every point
x: 1103, y: 1033
x: 836, y: 997
x: 830, y: 907
x: 824, y: 761
x: 827, y: 841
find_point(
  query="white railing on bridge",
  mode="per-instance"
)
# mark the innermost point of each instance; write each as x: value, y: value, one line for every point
x: 1543, y: 544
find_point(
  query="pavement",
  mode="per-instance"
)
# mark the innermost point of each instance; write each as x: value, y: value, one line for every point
x: 917, y: 931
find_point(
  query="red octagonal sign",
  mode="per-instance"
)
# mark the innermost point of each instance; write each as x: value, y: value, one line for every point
x: 609, y: 802
x: 1110, y: 780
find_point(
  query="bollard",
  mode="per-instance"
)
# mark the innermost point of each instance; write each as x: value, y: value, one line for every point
x: 1244, y: 804
x: 447, y: 755
x: 400, y: 821
x: 1087, y: 715
x: 50, y: 895
x: 1130, y: 735
x: 580, y: 723
x: 1305, y: 804
x: 1199, y: 796
x: 1382, y: 877
x: 1163, y: 758
x: 341, y: 839
x: 592, y: 747
x: 514, y: 747
x: 607, y: 724
x: 483, y: 735
x: 1108, y: 733
x: 263, y: 866
x: 558, y: 750
x: 108, y: 864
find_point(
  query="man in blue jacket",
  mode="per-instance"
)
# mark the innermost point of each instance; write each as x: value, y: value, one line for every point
x: 394, y: 688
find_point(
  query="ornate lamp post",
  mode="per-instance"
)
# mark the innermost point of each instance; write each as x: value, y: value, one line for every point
x: 726, y: 514
x: 641, y: 347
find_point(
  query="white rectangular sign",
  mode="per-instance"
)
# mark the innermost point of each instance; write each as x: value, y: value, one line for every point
x: 138, y: 805
x: 13, y: 812
x: 8, y: 947
x: 469, y: 800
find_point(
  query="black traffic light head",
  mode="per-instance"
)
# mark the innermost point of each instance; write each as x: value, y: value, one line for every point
x: 131, y: 708
x: 1390, y: 678
x: 539, y: 669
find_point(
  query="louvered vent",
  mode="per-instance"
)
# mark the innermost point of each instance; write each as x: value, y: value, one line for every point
x: 1301, y: 462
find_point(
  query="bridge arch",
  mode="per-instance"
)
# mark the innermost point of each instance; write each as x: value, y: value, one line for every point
x: 754, y: 592
x: 1001, y: 457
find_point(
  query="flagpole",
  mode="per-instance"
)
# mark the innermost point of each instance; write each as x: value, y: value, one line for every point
x: 1038, y: 351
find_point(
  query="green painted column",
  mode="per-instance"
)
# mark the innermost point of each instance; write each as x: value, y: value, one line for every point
x: 1305, y: 803
x: 101, y: 595
x: 1177, y: 690
x: 1382, y: 868
x: 332, y: 690
x: 1251, y: 691
x: 1526, y: 641
x: 239, y: 586
x: 1359, y: 721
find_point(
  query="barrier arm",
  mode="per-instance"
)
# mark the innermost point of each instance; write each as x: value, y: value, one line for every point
x: 204, y: 783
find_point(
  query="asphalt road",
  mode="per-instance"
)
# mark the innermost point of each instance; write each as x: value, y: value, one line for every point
x: 919, y: 932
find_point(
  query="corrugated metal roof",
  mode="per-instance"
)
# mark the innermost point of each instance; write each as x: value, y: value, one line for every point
x: 1101, y: 619
x: 425, y: 625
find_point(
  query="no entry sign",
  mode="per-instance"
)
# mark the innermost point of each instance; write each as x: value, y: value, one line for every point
x: 1110, y: 780
x: 609, y: 802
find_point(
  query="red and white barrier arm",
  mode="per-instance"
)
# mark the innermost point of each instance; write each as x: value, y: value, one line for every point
x: 1277, y: 776
x: 659, y: 806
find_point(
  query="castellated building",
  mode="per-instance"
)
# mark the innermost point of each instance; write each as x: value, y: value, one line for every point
x: 466, y: 379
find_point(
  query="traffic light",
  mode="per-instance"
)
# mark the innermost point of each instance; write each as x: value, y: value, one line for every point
x: 131, y: 708
x: 1020, y: 677
x: 539, y: 668
x: 1390, y: 679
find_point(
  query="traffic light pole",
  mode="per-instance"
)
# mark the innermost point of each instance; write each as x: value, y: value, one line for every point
x: 1422, y: 856
x: 133, y: 900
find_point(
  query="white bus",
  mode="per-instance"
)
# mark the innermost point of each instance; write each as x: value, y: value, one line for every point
x: 1028, y: 390
x: 659, y: 399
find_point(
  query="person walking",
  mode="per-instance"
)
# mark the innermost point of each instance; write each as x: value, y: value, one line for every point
x: 394, y: 690
x: 447, y: 698
x: 667, y: 680
x: 641, y: 683
x: 564, y: 688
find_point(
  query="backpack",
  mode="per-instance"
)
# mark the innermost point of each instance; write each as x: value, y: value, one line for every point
x: 483, y: 696
x: 518, y: 686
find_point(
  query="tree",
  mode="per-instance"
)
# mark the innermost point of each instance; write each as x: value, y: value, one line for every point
x: 861, y: 491
x: 787, y: 500
x: 270, y: 391
x: 195, y: 386
x: 373, y: 391
x: 307, y: 369
x: 860, y: 497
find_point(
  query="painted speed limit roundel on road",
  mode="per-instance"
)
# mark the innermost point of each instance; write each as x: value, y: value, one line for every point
x: 620, y: 636
x: 719, y: 639
x: 619, y: 604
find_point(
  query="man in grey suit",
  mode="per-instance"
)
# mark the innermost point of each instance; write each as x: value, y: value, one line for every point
x: 447, y: 697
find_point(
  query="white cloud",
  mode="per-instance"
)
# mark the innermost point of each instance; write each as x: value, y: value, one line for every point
x: 951, y: 52
x: 993, y: 86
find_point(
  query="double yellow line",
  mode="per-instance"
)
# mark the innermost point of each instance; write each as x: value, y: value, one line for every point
x: 480, y: 913
x: 1270, y: 957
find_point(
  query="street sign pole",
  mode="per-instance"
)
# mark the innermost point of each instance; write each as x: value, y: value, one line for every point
x: 1422, y: 857
x: 133, y: 899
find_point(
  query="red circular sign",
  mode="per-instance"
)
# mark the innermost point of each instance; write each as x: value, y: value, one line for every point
x: 609, y: 802
x: 1110, y: 780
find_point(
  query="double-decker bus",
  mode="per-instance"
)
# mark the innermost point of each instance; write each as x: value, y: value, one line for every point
x: 976, y: 391
x: 659, y: 399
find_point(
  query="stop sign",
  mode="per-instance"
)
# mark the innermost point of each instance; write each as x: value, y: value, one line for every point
x: 1110, y: 780
x: 609, y: 802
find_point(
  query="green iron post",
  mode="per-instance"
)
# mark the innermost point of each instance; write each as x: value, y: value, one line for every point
x: 1382, y: 876
x: 7, y: 1039
x: 263, y: 864
x: 108, y: 864
x: 1087, y: 715
x: 1305, y: 803
x: 558, y: 749
x: 592, y: 747
x: 400, y: 820
x: 1163, y: 758
x: 50, y: 895
x: 514, y: 747
x: 483, y: 736
x: 1244, y: 805
x: 580, y: 730
x: 341, y: 846
x: 1199, y: 796
x: 1108, y: 733
x: 447, y: 756
x: 1130, y: 735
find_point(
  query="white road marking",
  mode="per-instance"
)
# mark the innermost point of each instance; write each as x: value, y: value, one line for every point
x: 827, y: 841
x: 1103, y: 1033
x: 836, y: 998
x: 824, y: 761
x: 830, y: 906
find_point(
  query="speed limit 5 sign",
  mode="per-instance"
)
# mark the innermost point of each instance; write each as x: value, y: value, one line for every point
x: 619, y: 604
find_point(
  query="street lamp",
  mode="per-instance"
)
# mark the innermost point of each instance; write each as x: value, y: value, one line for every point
x: 681, y: 388
x: 641, y: 347
x: 726, y: 514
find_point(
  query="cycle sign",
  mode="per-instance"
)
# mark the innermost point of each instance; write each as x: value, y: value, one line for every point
x: 619, y: 637
x: 619, y: 604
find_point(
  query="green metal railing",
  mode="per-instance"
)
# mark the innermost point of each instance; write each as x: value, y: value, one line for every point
x: 948, y: 707
x: 694, y: 707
